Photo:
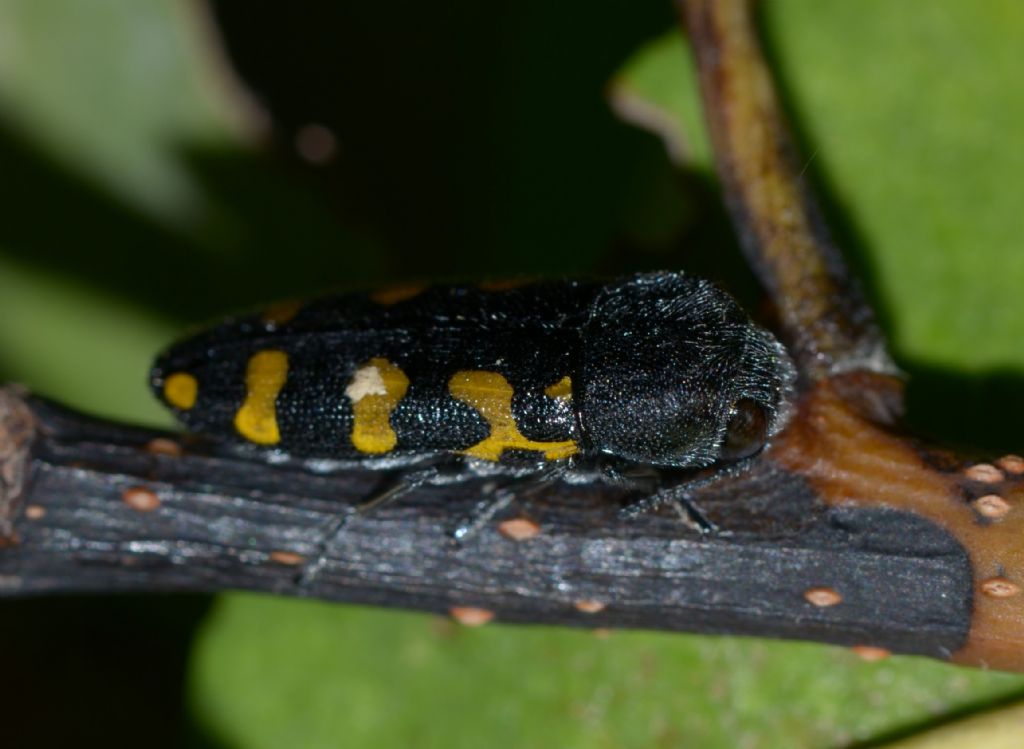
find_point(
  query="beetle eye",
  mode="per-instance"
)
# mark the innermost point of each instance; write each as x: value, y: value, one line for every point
x: 746, y: 432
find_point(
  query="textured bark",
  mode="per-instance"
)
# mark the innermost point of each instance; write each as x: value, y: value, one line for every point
x: 105, y: 508
x: 828, y: 325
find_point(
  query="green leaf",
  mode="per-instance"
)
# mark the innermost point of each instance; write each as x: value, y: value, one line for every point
x: 914, y: 116
x: 656, y: 90
x: 271, y: 673
x: 114, y: 91
x: 49, y: 339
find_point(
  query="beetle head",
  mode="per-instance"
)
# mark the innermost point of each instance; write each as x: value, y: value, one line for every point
x: 675, y: 374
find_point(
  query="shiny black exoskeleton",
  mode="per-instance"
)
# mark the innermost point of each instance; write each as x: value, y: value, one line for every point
x: 656, y: 372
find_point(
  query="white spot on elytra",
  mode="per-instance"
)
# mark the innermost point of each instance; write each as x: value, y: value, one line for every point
x: 366, y: 381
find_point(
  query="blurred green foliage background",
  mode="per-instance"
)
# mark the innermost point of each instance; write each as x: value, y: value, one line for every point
x: 150, y: 179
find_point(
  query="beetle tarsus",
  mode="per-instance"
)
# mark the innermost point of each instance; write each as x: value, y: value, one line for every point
x: 678, y: 496
x: 502, y: 496
x: 311, y: 569
x: 691, y: 514
x: 482, y: 514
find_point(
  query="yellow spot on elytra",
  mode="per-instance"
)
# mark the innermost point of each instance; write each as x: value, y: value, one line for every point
x: 265, y: 375
x: 375, y: 390
x: 396, y: 294
x: 280, y: 313
x: 561, y: 390
x: 491, y: 395
x: 180, y: 390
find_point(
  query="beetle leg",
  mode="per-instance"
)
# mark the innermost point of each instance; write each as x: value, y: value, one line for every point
x: 403, y: 485
x: 312, y: 568
x: 501, y: 497
x: 690, y: 513
x: 678, y: 495
x: 678, y: 498
x: 483, y: 512
x: 412, y: 480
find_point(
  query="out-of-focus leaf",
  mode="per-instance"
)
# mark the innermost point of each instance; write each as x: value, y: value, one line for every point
x: 270, y: 673
x: 84, y: 334
x: 914, y: 117
x: 655, y: 90
x: 113, y: 89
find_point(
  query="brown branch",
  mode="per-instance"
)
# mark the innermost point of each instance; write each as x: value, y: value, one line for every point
x: 827, y: 323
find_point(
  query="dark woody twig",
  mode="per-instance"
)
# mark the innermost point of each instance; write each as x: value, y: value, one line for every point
x: 111, y: 508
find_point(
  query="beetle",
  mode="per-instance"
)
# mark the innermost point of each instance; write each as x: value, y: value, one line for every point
x: 642, y: 381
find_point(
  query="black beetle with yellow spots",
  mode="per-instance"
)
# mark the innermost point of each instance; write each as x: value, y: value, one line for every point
x: 655, y: 375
